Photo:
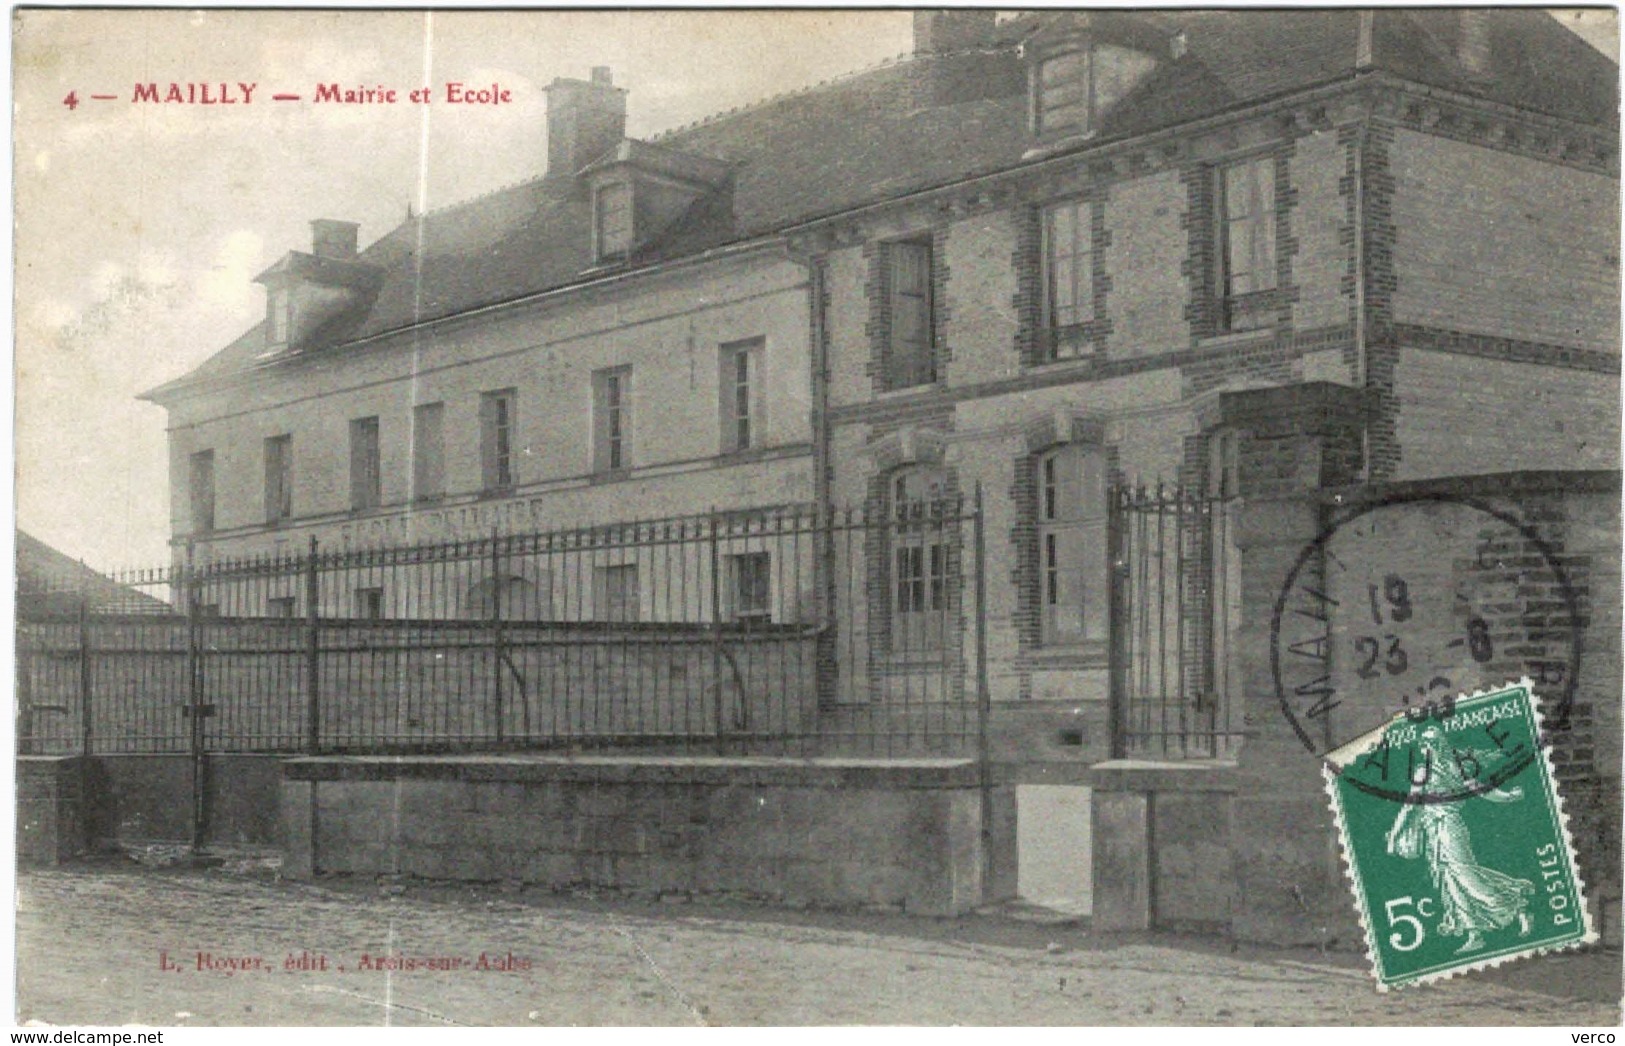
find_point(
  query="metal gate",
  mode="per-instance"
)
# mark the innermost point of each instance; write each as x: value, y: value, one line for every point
x: 1175, y: 608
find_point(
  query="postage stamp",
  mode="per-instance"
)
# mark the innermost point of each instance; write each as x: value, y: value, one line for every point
x: 1455, y: 840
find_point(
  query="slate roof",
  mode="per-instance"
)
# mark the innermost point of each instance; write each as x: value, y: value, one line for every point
x: 52, y: 581
x: 881, y: 133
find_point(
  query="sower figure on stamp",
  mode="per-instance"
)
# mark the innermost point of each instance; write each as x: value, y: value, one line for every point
x: 1475, y: 899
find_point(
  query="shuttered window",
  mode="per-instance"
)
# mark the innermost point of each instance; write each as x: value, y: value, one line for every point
x: 497, y: 418
x: 278, y: 479
x: 428, y: 451
x: 200, y: 484
x: 365, y: 482
x: 911, y: 357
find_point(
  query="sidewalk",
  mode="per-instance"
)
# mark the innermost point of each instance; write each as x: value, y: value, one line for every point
x: 113, y: 942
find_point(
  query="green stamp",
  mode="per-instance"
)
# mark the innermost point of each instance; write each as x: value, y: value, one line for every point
x: 1455, y: 839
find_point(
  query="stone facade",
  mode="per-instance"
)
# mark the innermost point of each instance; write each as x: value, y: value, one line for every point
x: 669, y: 329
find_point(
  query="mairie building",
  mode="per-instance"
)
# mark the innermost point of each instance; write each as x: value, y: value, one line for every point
x: 1096, y: 270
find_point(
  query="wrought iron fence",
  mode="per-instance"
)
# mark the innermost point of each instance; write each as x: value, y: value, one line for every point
x: 789, y: 631
x: 1176, y: 603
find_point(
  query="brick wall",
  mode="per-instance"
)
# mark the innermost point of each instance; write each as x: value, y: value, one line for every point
x: 1322, y: 229
x: 1496, y: 243
x: 981, y: 283
x: 1149, y: 290
x: 1469, y: 555
x: 1460, y: 414
x: 1458, y: 563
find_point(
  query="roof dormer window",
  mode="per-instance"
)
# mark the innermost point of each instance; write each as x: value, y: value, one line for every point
x: 1062, y: 93
x: 278, y: 315
x: 612, y: 222
x: 1084, y: 64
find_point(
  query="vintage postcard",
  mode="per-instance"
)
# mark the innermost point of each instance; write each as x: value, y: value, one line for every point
x: 860, y: 516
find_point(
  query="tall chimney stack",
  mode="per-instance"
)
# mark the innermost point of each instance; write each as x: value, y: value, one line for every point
x: 1474, y: 47
x: 585, y: 120
x: 946, y: 31
x: 330, y: 238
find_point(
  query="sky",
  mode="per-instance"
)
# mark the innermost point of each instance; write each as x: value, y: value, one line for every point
x: 139, y: 228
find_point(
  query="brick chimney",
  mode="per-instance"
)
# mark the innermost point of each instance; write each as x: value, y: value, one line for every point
x: 961, y: 29
x: 585, y: 120
x: 959, y: 58
x: 1473, y: 45
x: 330, y: 238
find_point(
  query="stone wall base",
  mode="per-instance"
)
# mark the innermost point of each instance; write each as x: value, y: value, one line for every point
x: 907, y: 834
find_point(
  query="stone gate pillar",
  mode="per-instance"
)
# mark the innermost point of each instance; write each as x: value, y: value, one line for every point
x: 1288, y: 444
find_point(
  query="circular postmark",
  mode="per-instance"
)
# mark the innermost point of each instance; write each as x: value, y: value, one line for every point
x: 1400, y: 605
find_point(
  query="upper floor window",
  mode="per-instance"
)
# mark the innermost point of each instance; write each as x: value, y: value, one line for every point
x: 200, y: 485
x: 365, y: 482
x: 612, y: 419
x: 496, y: 439
x: 910, y: 348
x: 741, y: 390
x: 278, y: 478
x: 920, y: 542
x: 1246, y: 219
x: 278, y: 316
x: 612, y: 222
x: 428, y: 451
x: 1072, y: 554
x: 1068, y: 277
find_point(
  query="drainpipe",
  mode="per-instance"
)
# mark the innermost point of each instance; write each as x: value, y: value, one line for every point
x: 823, y: 496
x: 1362, y: 348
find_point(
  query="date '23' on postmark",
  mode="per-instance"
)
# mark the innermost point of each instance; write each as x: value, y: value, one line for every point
x: 1455, y: 840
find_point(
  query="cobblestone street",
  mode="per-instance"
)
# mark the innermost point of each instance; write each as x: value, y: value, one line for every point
x: 113, y: 943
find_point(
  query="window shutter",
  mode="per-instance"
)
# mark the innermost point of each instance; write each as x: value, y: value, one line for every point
x: 428, y: 451
x: 910, y: 361
x: 1263, y: 237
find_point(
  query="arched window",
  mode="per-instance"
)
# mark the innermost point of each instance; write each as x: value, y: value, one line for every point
x: 918, y: 558
x: 1072, y: 556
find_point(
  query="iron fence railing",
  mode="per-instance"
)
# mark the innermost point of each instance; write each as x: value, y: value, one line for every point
x: 789, y: 631
x: 1176, y: 604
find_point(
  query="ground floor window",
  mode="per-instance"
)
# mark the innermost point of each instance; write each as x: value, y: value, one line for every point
x: 749, y: 587
x: 615, y: 592
x: 1073, y: 565
x: 919, y: 560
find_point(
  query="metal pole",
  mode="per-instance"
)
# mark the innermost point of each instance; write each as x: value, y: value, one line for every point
x: 984, y: 697
x: 1117, y: 623
x: 497, y: 638
x: 84, y: 672
x: 313, y: 652
x: 195, y: 707
x: 716, y: 627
